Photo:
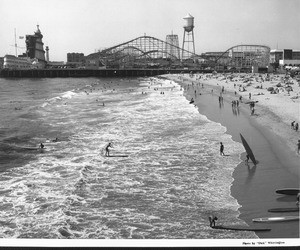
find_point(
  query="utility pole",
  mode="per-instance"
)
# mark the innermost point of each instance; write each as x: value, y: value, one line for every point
x: 16, y: 43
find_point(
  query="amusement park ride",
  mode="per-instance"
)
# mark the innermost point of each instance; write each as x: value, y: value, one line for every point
x: 150, y: 52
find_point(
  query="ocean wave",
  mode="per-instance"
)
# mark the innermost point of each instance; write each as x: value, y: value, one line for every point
x: 170, y: 182
x: 62, y: 97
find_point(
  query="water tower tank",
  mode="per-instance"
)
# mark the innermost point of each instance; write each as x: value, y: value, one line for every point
x: 189, y: 23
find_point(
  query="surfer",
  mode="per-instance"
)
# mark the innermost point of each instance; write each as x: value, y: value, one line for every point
x: 212, y: 221
x: 107, y: 149
x: 221, y: 149
x: 247, y: 158
x: 42, y: 146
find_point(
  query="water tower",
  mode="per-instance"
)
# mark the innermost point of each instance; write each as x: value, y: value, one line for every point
x: 188, y: 44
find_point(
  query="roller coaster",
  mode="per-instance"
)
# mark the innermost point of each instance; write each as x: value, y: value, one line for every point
x: 151, y: 52
x: 245, y: 56
x: 143, y: 52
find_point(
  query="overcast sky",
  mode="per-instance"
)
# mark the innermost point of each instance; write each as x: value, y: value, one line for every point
x: 88, y: 25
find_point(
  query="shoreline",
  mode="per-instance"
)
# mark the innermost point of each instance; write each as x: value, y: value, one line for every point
x: 253, y: 187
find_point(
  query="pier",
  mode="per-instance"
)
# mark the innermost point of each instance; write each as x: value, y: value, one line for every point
x: 51, y: 73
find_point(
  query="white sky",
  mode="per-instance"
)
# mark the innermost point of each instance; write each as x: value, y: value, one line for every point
x: 88, y: 25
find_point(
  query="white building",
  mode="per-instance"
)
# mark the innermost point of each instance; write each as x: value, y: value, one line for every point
x: 21, y: 63
x: 13, y: 62
x: 289, y: 62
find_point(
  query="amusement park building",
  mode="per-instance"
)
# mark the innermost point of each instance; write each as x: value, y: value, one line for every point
x: 13, y: 62
x: 33, y: 58
x: 75, y: 57
x: 285, y: 56
x: 35, y: 47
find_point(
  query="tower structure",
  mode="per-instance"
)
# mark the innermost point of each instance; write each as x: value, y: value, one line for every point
x: 35, y: 45
x: 47, y: 53
x: 172, y: 46
x: 188, y: 45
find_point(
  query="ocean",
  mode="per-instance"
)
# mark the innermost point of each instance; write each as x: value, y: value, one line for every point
x: 164, y: 178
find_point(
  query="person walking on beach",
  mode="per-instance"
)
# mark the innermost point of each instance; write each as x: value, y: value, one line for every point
x: 296, y: 127
x: 109, y: 145
x: 298, y: 144
x: 252, y: 111
x: 221, y: 149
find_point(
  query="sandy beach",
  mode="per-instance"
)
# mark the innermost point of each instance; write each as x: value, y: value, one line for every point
x: 268, y: 132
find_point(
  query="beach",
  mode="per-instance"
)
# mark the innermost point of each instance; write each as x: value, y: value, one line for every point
x: 268, y: 132
x: 166, y: 187
x: 172, y: 178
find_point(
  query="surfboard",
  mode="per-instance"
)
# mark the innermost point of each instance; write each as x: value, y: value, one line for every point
x: 32, y: 148
x: 276, y: 219
x: 248, y: 150
x: 283, y: 209
x: 251, y: 102
x: 241, y: 229
x: 288, y: 191
x: 117, y: 156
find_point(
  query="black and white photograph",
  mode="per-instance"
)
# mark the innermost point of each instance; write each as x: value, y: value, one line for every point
x: 149, y: 123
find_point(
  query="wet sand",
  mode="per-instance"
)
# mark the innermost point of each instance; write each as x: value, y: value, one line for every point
x: 253, y: 187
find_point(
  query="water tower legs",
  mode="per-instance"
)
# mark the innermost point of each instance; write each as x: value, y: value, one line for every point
x: 188, y: 38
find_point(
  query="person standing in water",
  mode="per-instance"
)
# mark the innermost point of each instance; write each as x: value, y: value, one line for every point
x: 221, y: 149
x: 247, y: 158
x: 107, y: 149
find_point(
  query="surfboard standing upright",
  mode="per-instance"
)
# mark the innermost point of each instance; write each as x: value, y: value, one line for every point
x: 248, y: 149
